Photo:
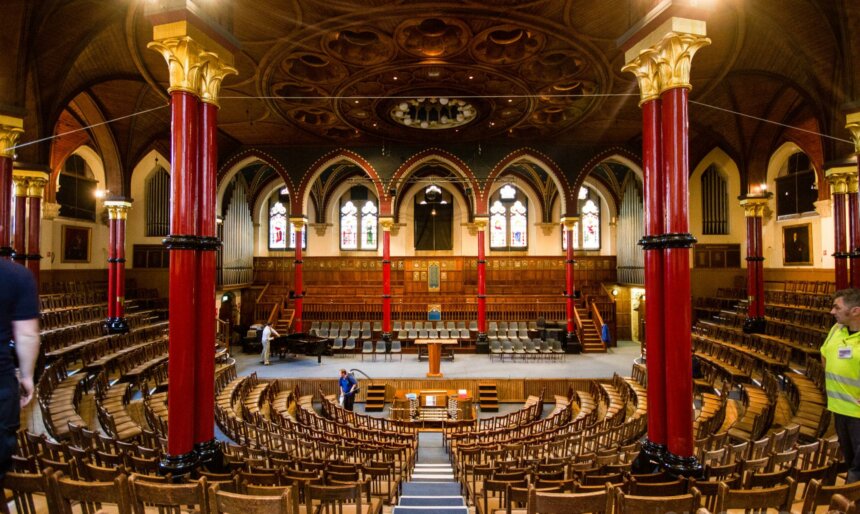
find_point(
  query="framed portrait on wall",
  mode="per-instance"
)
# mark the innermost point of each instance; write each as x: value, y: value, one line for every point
x: 796, y: 245
x: 76, y: 243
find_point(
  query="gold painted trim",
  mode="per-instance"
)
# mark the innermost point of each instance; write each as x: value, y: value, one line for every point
x: 20, y: 185
x: 481, y: 223
x: 183, y: 28
x: 117, y: 209
x: 853, y: 184
x: 184, y: 63
x: 568, y: 222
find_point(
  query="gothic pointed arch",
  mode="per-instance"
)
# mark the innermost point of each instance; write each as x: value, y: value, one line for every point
x: 328, y: 160
x: 239, y: 161
x: 466, y: 181
x: 536, y: 158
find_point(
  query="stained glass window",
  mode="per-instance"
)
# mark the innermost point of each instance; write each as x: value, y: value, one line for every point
x: 498, y: 226
x: 509, y: 225
x: 348, y: 226
x: 590, y: 226
x: 519, y: 226
x: 368, y: 226
x: 278, y: 223
x: 293, y: 237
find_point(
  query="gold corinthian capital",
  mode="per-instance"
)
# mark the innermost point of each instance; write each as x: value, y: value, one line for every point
x: 184, y: 62
x: 644, y: 66
x: 754, y: 207
x: 853, y: 126
x: 212, y: 74
x: 10, y: 130
x: 675, y: 57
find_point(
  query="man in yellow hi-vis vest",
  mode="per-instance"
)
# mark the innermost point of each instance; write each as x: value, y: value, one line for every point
x: 841, y: 356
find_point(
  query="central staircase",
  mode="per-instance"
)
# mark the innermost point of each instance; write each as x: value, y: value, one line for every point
x: 432, y: 488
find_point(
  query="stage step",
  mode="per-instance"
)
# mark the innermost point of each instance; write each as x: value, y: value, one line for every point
x: 375, y: 401
x: 488, y: 397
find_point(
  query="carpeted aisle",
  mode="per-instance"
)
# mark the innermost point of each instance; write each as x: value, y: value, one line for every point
x: 432, y: 489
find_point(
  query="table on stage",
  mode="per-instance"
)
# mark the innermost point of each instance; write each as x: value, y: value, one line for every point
x: 434, y: 353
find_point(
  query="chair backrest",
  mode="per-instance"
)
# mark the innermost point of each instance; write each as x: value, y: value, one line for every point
x: 817, y: 494
x: 167, y: 497
x: 331, y: 498
x: 567, y: 503
x: 367, y: 346
x: 380, y: 347
x: 778, y: 498
x: 422, y: 334
x: 223, y: 502
x: 396, y: 346
x: 842, y: 504
x: 89, y: 495
x: 630, y: 504
x: 350, y: 344
x: 23, y: 486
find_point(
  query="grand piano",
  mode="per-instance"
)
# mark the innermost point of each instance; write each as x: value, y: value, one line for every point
x: 301, y: 343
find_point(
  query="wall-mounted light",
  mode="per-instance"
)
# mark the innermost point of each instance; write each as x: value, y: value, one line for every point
x: 101, y: 193
x: 614, y: 291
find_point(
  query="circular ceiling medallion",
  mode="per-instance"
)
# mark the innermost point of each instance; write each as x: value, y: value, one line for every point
x: 433, y: 37
x: 433, y: 113
x: 554, y: 66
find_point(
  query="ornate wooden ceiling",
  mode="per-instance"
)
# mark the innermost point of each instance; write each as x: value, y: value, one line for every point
x: 329, y: 72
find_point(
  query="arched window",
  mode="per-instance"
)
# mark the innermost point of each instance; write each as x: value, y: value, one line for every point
x: 76, y: 193
x: 158, y: 203
x: 586, y: 232
x: 355, y: 236
x: 715, y: 202
x: 434, y: 219
x: 590, y: 226
x: 509, y: 219
x: 279, y: 223
x: 796, y: 191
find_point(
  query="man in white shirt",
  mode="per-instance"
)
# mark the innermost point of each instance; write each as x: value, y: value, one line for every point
x: 269, y: 333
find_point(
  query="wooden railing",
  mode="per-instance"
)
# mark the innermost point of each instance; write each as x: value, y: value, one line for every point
x: 453, y: 309
x: 580, y: 331
x: 597, y: 319
x: 262, y: 293
x: 275, y: 313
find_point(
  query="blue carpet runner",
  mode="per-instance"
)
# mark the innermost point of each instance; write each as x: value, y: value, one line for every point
x: 432, y: 489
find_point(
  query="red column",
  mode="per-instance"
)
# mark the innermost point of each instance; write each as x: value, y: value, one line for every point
x: 182, y: 243
x: 573, y: 341
x: 753, y: 211
x: 10, y: 130
x: 20, y: 231
x: 482, y: 285
x: 840, y: 254
x: 759, y: 271
x: 655, y: 352
x: 386, y: 278
x: 854, y: 228
x: 121, y: 324
x: 205, y: 445
x: 111, y: 262
x: 299, y: 224
x: 35, y: 190
x: 677, y: 241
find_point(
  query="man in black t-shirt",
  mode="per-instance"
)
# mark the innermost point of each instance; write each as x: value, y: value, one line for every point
x: 19, y: 322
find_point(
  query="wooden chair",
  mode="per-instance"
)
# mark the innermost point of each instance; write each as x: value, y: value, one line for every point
x: 630, y: 504
x: 23, y: 486
x: 169, y: 498
x: 338, y: 499
x: 778, y: 498
x: 563, y: 503
x: 223, y: 502
x: 89, y: 495
x: 842, y: 505
x: 675, y: 487
x: 819, y: 494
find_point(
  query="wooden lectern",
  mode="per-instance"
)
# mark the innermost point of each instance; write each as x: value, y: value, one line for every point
x: 434, y: 352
